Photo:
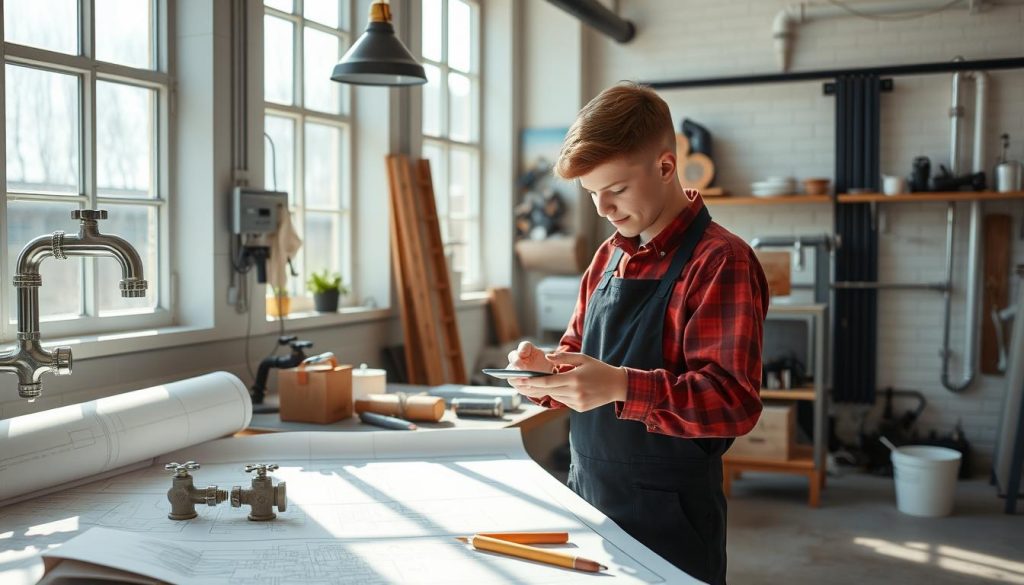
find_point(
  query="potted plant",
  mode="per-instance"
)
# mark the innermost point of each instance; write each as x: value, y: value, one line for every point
x: 326, y: 288
x: 279, y: 304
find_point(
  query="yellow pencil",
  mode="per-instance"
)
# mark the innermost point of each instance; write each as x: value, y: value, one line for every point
x: 533, y: 553
x: 524, y: 537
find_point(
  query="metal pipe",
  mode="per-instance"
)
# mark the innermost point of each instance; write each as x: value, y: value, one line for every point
x: 786, y: 21
x: 956, y: 111
x: 597, y: 16
x: 28, y: 359
x: 830, y: 74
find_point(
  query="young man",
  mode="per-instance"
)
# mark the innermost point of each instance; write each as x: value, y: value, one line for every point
x: 661, y: 363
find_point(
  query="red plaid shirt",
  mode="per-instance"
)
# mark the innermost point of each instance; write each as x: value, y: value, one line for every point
x: 710, y: 383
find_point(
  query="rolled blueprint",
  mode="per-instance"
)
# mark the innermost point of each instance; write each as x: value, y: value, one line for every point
x: 81, y: 441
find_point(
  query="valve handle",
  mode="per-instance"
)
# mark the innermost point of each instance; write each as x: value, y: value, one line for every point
x: 181, y: 469
x: 89, y: 214
x: 261, y: 469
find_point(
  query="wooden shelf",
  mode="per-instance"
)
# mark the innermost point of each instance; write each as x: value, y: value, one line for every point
x: 778, y: 200
x: 944, y: 196
x: 801, y: 461
x: 803, y: 393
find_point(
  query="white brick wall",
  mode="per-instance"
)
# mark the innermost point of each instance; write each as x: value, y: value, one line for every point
x: 787, y: 129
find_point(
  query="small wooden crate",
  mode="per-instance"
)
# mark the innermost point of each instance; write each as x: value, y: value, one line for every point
x: 772, y: 438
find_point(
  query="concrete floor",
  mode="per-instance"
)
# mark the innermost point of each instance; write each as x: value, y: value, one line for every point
x: 857, y: 536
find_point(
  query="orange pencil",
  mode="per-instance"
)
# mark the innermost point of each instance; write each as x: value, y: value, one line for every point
x: 532, y: 553
x: 525, y: 537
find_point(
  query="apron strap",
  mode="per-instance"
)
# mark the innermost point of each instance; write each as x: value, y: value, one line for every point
x: 609, y: 270
x: 693, y: 235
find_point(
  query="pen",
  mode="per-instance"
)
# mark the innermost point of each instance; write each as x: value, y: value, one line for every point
x: 533, y: 553
x: 387, y: 422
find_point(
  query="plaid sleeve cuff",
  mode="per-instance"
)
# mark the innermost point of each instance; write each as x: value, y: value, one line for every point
x: 640, y: 386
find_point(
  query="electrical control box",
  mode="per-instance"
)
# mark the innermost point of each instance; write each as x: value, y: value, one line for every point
x: 255, y: 211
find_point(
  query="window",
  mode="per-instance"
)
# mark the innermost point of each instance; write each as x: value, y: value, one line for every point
x: 85, y: 126
x: 307, y: 121
x: 451, y: 127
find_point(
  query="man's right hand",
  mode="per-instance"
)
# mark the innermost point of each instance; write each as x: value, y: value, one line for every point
x: 529, y: 357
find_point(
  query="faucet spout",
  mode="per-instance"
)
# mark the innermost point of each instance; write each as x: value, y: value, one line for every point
x: 28, y: 359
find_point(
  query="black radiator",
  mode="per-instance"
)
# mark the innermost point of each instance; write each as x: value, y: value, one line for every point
x: 855, y: 311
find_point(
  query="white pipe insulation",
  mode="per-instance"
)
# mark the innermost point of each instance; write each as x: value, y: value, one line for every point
x: 787, y: 20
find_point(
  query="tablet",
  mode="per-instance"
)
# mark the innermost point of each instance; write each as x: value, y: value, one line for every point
x: 506, y: 374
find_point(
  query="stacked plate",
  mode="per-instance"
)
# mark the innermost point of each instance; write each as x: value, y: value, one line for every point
x: 773, y: 187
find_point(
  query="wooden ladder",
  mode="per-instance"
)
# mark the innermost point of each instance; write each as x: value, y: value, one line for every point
x: 451, y: 344
x: 421, y: 272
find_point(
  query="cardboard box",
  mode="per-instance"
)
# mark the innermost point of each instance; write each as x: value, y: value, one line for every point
x: 319, y: 393
x: 772, y: 438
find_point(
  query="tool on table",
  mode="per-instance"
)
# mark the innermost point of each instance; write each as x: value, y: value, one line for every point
x: 523, y: 537
x: 184, y: 496
x: 296, y: 357
x: 541, y: 555
x: 511, y: 397
x: 387, y: 422
x: 489, y: 407
x: 414, y: 407
x: 263, y: 496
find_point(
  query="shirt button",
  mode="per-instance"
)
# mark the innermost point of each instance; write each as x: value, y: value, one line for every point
x: 662, y: 254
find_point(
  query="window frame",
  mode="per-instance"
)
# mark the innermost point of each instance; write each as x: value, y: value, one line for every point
x: 88, y: 70
x: 300, y: 115
x: 474, y: 281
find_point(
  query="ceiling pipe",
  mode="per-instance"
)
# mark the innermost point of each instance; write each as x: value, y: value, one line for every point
x: 594, y: 14
x: 788, y: 19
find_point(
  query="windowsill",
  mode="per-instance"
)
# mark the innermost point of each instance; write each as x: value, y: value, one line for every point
x: 126, y: 342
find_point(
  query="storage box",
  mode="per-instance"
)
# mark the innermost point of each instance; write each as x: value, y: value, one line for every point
x: 318, y: 393
x: 772, y: 438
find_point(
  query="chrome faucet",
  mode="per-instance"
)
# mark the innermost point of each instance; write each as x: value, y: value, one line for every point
x: 28, y: 359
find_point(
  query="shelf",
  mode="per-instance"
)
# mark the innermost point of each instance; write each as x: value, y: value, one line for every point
x: 778, y: 200
x: 945, y: 196
x: 801, y: 462
x: 803, y: 393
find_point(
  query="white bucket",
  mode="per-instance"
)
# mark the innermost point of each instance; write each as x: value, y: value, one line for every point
x: 925, y: 479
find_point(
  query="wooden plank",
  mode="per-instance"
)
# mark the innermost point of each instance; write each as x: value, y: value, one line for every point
x: 996, y: 286
x: 930, y: 196
x: 793, y: 394
x: 413, y: 359
x: 417, y: 283
x: 438, y: 264
x: 779, y: 200
x: 503, y: 310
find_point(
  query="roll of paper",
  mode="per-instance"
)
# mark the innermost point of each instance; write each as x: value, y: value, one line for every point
x: 367, y: 381
x: 62, y: 445
x: 415, y: 408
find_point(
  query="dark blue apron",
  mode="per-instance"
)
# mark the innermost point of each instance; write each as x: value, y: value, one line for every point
x: 664, y: 491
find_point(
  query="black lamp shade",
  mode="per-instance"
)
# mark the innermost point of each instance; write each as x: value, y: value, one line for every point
x: 378, y: 57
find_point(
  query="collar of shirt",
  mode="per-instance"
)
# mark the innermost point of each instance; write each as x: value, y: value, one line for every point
x: 667, y: 239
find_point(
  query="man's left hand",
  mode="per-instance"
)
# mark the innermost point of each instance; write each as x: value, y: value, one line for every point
x: 590, y: 384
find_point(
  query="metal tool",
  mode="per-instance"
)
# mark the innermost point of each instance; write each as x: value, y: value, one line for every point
x: 490, y: 407
x: 184, y: 496
x: 29, y: 360
x: 263, y: 496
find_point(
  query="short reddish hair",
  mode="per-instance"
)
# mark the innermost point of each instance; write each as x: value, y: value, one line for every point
x: 622, y: 120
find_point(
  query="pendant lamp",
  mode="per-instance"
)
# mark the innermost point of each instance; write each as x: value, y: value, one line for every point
x: 378, y: 57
